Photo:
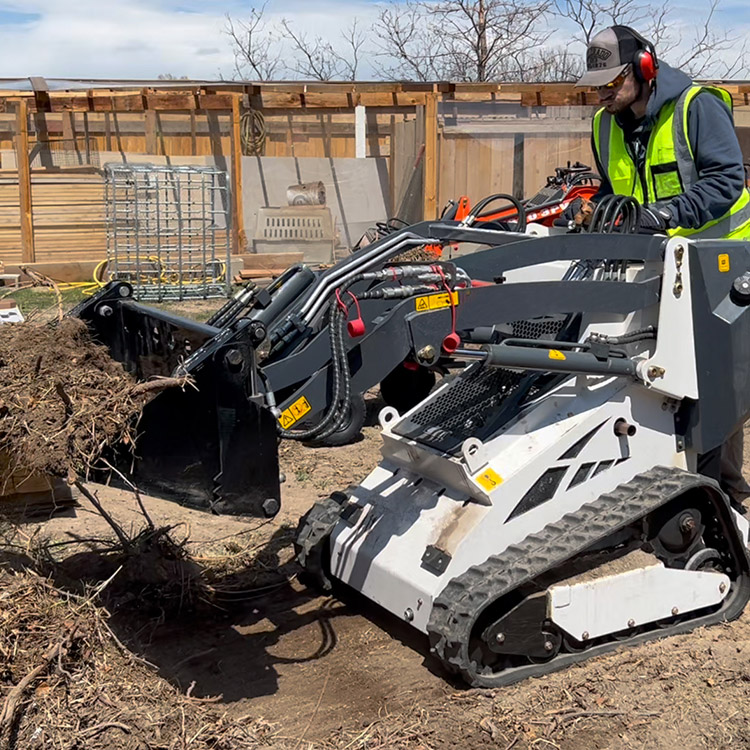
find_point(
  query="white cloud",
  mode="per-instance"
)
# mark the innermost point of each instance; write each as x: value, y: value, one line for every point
x: 140, y: 38
x: 143, y: 38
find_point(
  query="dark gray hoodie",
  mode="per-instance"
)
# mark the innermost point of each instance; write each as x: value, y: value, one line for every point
x: 717, y: 153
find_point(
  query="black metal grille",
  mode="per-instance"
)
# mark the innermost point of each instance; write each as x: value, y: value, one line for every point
x: 481, y: 399
x: 544, y: 196
x: 575, y: 449
x: 537, y: 328
x: 470, y: 407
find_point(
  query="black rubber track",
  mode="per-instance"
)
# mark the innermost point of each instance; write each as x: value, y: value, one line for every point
x: 464, y: 598
x: 311, y: 538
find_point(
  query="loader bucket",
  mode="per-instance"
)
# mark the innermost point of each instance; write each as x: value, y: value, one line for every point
x: 212, y: 443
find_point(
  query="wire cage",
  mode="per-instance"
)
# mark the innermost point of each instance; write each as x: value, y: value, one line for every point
x: 168, y: 230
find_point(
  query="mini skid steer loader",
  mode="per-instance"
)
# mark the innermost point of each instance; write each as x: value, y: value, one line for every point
x: 558, y: 497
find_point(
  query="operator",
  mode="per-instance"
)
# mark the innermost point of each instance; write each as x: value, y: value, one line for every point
x: 672, y: 146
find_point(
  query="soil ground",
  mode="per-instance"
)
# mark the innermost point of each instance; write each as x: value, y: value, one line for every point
x: 338, y: 672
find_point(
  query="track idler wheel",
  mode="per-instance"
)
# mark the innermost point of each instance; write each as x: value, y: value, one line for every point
x: 675, y: 531
x: 311, y: 542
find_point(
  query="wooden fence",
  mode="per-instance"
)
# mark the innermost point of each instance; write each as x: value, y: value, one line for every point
x: 470, y: 139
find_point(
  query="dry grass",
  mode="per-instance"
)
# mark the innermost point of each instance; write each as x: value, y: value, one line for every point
x: 68, y: 683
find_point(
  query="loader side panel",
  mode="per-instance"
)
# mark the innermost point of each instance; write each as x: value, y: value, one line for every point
x: 722, y: 344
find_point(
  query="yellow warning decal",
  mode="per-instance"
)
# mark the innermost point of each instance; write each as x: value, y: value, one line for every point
x: 489, y: 480
x: 294, y: 413
x: 556, y: 354
x: 436, y: 301
x: 723, y: 263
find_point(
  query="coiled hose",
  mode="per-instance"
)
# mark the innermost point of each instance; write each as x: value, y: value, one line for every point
x: 613, y: 207
x: 338, y: 411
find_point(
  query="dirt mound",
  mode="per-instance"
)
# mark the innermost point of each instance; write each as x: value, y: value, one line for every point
x: 62, y: 399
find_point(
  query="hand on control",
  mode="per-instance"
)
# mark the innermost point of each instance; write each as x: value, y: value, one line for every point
x: 654, y: 220
x: 579, y: 212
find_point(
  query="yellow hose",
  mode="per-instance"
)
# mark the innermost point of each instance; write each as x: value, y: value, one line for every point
x: 91, y: 287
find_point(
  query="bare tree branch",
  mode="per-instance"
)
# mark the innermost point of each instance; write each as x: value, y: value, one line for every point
x: 479, y: 40
x: 256, y: 53
x: 553, y: 64
x: 312, y: 58
x: 710, y: 51
x: 466, y: 40
x: 355, y: 41
x: 406, y: 43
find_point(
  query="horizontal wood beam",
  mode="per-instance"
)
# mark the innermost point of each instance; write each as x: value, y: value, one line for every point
x: 313, y: 96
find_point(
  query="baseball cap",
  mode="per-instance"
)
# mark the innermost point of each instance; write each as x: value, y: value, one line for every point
x: 608, y: 54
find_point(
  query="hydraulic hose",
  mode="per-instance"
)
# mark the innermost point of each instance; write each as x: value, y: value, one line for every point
x: 338, y: 410
x: 477, y: 210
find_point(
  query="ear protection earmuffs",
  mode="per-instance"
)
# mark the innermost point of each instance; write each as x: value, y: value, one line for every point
x: 645, y: 62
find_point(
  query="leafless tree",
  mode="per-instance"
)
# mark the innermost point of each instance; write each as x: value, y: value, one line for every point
x: 551, y: 64
x: 720, y: 54
x: 480, y: 40
x: 355, y: 41
x: 466, y: 40
x: 409, y: 46
x: 257, y: 53
x: 590, y: 16
x: 708, y: 52
x: 311, y: 57
x: 317, y: 58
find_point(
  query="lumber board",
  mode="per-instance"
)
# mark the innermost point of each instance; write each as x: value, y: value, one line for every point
x: 63, y: 271
x: 239, y: 241
x: 265, y: 261
x: 259, y: 273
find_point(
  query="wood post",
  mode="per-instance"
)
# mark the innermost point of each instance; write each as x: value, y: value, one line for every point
x: 519, y: 159
x: 24, y: 182
x: 69, y: 132
x: 152, y: 142
x: 239, y: 240
x: 430, y: 156
x: 392, y: 166
x: 360, y: 132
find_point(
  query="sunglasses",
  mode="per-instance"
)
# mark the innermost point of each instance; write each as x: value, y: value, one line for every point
x: 617, y: 82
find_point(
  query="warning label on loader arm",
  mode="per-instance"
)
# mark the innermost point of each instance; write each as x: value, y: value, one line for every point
x: 436, y: 301
x: 294, y: 413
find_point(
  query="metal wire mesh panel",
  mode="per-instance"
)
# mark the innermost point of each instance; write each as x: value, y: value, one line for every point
x: 469, y: 403
x: 168, y: 230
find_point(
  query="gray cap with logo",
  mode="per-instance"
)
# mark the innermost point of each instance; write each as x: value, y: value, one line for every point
x: 608, y: 54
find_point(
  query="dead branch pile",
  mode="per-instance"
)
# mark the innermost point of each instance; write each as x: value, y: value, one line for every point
x: 63, y: 400
x: 68, y: 683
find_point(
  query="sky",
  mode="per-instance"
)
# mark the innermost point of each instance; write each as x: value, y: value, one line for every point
x: 145, y: 38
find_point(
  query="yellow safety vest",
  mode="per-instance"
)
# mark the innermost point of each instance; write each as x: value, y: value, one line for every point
x: 670, y: 165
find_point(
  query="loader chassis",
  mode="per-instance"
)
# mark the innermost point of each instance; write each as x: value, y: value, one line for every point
x: 545, y: 458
